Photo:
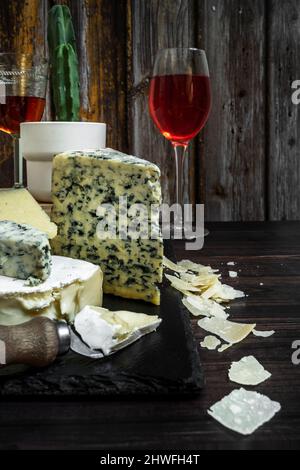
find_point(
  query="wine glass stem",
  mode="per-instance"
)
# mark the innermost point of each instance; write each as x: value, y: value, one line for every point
x: 18, y: 164
x: 180, y: 153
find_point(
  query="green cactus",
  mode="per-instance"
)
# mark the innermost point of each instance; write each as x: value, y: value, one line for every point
x: 64, y: 64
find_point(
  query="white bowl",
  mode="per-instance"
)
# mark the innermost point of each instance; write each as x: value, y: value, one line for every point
x: 41, y: 141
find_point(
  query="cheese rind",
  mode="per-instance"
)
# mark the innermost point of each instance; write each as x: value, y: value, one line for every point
x: 17, y: 205
x: 103, y: 329
x: 25, y: 252
x: 83, y: 181
x: 72, y: 285
x: 95, y: 331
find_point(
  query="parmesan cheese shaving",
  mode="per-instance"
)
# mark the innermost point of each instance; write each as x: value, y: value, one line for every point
x: 233, y: 274
x: 222, y: 292
x: 263, y: 334
x: 173, y: 266
x: 197, y: 311
x: 224, y: 347
x: 228, y: 331
x: 248, y: 371
x: 211, y: 343
x: 196, y: 268
x: 244, y: 411
x: 181, y: 285
x: 202, y: 307
x: 228, y: 293
x: 200, y: 280
x: 212, y: 291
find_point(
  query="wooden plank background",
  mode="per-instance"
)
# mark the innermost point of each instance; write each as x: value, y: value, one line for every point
x: 245, y: 165
x: 284, y: 117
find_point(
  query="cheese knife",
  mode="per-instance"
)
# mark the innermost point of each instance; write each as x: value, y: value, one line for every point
x: 41, y: 340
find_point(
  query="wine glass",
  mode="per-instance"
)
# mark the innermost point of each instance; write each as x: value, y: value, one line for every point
x: 23, y: 82
x: 180, y: 103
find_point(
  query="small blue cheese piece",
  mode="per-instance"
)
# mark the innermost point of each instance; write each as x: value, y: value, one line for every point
x: 82, y: 182
x: 25, y: 252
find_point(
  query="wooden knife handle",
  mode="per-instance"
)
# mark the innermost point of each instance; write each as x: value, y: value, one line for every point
x: 35, y: 343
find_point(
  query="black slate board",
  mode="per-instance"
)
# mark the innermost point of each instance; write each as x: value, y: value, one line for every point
x: 162, y: 363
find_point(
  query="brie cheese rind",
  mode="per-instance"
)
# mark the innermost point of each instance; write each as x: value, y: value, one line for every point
x: 244, y: 411
x: 102, y: 329
x: 72, y: 285
x: 248, y: 371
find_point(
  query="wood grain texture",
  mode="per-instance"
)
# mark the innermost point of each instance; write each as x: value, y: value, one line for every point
x: 265, y: 253
x: 101, y: 33
x: 155, y: 25
x: 21, y: 30
x: 245, y: 164
x: 233, y: 34
x: 284, y: 116
x: 101, y: 36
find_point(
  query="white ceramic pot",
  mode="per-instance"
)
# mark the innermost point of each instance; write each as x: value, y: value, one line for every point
x: 41, y: 141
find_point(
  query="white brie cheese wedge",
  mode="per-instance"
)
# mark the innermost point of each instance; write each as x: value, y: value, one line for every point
x: 72, y: 285
x: 102, y: 329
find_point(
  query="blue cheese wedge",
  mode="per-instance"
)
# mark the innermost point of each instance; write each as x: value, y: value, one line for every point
x: 25, y: 252
x: 82, y: 182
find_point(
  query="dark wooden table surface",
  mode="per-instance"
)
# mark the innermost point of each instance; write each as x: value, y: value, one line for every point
x: 267, y: 253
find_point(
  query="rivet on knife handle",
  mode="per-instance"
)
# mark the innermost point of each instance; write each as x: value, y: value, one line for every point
x: 35, y: 343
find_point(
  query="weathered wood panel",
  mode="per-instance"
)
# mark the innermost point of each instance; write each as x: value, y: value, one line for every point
x: 284, y: 116
x: 156, y: 24
x: 21, y: 29
x: 102, y: 43
x: 233, y: 34
x: 101, y: 30
x: 247, y: 159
